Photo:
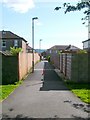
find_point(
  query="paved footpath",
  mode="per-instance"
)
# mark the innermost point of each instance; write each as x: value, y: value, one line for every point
x: 36, y: 98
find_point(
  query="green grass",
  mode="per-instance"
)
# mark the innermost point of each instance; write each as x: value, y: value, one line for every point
x: 81, y: 90
x: 5, y: 90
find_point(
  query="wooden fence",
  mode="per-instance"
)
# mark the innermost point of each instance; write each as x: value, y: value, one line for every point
x: 74, y: 66
x: 15, y: 68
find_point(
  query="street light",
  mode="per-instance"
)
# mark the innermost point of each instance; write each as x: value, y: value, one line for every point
x: 40, y: 44
x: 33, y: 42
x: 40, y: 48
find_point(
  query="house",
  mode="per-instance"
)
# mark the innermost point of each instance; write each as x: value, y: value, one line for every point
x: 54, y: 53
x: 56, y: 48
x: 62, y: 48
x: 86, y: 45
x: 72, y: 48
x: 9, y: 39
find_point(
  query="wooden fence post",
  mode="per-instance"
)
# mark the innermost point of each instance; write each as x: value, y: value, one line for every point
x: 65, y: 64
x: 89, y: 66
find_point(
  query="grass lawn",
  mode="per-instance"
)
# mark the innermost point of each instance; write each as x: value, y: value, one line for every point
x: 5, y: 90
x: 81, y: 90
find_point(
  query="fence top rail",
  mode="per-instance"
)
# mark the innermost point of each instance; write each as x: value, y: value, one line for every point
x: 68, y: 52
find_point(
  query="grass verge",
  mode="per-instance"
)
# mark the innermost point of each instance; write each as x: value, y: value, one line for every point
x: 81, y: 90
x: 6, y: 90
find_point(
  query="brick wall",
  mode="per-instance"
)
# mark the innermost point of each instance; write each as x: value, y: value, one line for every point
x: 36, y: 57
x: 25, y: 63
x: 23, y: 46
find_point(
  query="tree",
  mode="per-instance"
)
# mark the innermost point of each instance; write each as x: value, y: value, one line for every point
x: 78, y: 7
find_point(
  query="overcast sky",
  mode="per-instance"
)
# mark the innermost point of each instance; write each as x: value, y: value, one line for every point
x: 53, y: 27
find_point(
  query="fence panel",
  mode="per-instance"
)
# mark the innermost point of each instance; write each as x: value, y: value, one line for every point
x: 75, y: 66
x: 9, y: 69
x: 69, y: 56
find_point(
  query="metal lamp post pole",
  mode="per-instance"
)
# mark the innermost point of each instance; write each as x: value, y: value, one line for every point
x: 40, y: 44
x: 33, y: 43
x: 40, y: 48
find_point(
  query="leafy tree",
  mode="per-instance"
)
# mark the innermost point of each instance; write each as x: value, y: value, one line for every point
x: 78, y: 7
x: 15, y: 51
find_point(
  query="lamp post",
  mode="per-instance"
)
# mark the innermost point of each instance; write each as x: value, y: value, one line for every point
x: 33, y: 42
x: 40, y: 48
x: 40, y: 44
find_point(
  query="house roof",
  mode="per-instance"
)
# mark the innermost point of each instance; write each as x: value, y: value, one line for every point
x: 59, y: 47
x: 72, y: 48
x: 85, y: 40
x: 64, y: 47
x: 9, y: 35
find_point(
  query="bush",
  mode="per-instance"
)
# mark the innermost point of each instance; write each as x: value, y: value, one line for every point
x: 14, y: 51
x: 48, y: 58
x: 82, y: 51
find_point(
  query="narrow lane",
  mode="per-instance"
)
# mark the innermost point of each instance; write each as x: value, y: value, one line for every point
x: 36, y: 98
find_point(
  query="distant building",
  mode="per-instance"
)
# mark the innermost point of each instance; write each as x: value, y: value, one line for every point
x: 72, y: 48
x: 62, y: 48
x: 56, y: 48
x: 86, y: 45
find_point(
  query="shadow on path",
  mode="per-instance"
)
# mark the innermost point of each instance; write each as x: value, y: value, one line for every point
x: 21, y: 117
x: 51, y: 81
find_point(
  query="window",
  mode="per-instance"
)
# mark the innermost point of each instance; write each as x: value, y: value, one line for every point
x: 15, y: 43
x: 50, y: 51
x: 56, y: 51
x: 3, y: 43
x: 3, y: 32
x: 88, y: 44
x: 85, y: 44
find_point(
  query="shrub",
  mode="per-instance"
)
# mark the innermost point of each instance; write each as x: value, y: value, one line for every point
x: 14, y: 51
x: 48, y: 58
x: 82, y: 51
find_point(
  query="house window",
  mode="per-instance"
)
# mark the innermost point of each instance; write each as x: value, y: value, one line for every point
x: 3, y: 32
x: 56, y: 51
x: 85, y: 44
x: 15, y: 43
x: 3, y: 43
x: 50, y: 51
x: 88, y: 44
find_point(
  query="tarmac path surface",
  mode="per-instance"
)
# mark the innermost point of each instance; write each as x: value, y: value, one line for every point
x: 36, y: 98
